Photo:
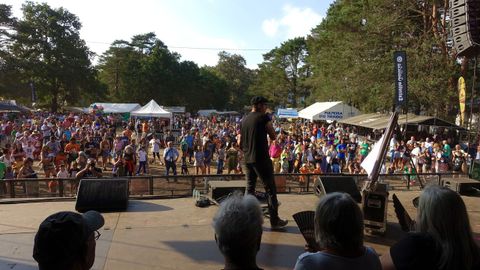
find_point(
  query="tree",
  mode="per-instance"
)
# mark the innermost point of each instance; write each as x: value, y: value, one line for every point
x: 11, y: 86
x: 7, y: 23
x: 139, y: 70
x: 143, y: 68
x: 282, y: 75
x: 232, y: 68
x: 352, y: 54
x: 51, y: 54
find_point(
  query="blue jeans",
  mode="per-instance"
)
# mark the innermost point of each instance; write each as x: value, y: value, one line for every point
x: 171, y: 165
x: 142, y: 164
x: 220, y: 166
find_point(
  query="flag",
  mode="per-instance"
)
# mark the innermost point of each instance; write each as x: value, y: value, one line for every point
x: 461, y: 99
x: 401, y: 85
x: 369, y: 162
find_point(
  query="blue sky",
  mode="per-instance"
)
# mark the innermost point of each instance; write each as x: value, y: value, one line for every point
x: 196, y: 29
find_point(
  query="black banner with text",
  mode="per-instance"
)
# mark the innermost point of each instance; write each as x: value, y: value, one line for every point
x: 400, y: 59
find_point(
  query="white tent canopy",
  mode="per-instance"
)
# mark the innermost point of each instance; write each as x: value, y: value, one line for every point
x: 335, y: 110
x: 117, y: 107
x: 152, y: 109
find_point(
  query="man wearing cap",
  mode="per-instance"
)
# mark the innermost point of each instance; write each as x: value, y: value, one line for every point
x: 67, y: 241
x: 255, y: 128
x: 89, y: 171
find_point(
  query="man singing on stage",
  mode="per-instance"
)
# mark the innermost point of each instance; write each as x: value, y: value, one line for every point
x: 253, y: 142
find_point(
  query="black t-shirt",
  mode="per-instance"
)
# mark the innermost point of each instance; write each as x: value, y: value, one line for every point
x: 254, y: 137
x: 89, y: 173
x: 352, y: 148
x: 170, y: 138
x: 417, y: 251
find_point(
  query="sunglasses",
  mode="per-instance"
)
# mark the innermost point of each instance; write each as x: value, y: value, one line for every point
x: 97, y: 235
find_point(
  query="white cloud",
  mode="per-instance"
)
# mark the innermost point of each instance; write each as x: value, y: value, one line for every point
x: 294, y: 23
x: 270, y: 27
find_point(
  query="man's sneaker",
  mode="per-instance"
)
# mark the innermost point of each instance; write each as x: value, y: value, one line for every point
x: 280, y: 224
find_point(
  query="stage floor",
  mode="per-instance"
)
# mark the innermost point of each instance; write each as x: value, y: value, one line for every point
x: 174, y: 234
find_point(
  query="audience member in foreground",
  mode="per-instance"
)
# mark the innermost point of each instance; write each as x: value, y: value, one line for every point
x: 238, y: 231
x: 443, y: 239
x: 67, y: 241
x: 339, y: 233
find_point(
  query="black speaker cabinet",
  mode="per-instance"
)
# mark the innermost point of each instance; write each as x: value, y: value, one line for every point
x: 475, y: 170
x: 102, y: 195
x: 463, y: 186
x: 328, y: 184
x: 219, y: 189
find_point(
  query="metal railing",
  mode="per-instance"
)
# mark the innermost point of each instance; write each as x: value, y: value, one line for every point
x: 184, y: 185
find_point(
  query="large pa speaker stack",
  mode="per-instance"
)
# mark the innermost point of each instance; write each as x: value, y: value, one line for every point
x: 465, y: 26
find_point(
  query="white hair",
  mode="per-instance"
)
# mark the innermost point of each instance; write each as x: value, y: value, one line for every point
x: 238, y: 226
x: 339, y: 223
x: 443, y: 215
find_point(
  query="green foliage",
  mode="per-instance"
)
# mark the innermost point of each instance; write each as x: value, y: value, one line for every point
x: 282, y: 75
x: 232, y: 68
x: 45, y: 48
x: 352, y: 55
x: 143, y: 69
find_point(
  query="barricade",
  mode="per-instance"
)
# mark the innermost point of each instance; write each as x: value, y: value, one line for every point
x: 183, y: 185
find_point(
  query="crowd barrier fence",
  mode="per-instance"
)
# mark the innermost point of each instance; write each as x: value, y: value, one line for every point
x: 185, y: 185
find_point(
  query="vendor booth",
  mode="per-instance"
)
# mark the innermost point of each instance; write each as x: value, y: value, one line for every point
x: 116, y: 107
x: 174, y: 109
x: 161, y: 119
x: 152, y: 109
x: 380, y: 121
x: 420, y: 126
x: 328, y: 111
x: 12, y: 106
x: 287, y: 113
x: 206, y: 113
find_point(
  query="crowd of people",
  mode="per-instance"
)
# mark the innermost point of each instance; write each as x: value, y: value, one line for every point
x: 443, y: 238
x: 60, y: 145
x: 73, y: 145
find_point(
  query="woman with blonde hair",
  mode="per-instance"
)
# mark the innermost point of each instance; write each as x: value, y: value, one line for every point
x: 443, y: 240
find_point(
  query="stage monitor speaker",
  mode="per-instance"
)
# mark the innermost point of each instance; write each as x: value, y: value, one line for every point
x: 463, y: 186
x: 217, y: 190
x: 102, y: 195
x: 328, y: 184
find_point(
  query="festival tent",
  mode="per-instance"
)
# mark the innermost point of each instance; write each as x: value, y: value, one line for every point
x: 151, y: 109
x: 287, y: 113
x: 116, y: 107
x: 12, y: 106
x: 174, y: 109
x: 380, y: 121
x: 332, y: 111
x: 228, y: 113
x: 206, y: 112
